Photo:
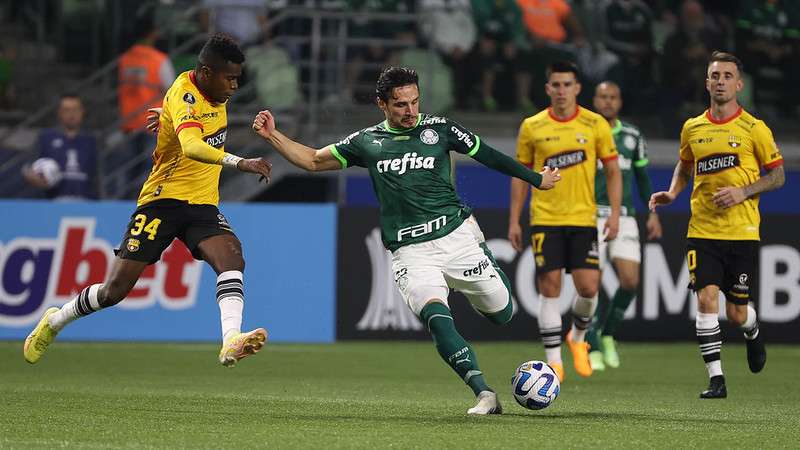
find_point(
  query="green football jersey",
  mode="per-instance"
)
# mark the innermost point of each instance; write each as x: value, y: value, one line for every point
x: 632, y: 153
x: 410, y: 171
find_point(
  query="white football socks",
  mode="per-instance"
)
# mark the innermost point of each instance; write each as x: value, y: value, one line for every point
x: 582, y: 312
x: 83, y: 304
x: 550, y: 327
x: 230, y: 297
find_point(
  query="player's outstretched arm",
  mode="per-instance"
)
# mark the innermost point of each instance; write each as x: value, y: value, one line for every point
x: 193, y: 146
x: 680, y: 179
x: 296, y: 153
x: 503, y: 163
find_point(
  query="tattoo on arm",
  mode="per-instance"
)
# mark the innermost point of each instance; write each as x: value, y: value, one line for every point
x: 685, y: 172
x: 681, y: 178
x: 769, y: 182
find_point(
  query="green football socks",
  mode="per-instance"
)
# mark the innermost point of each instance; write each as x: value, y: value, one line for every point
x: 453, y: 349
x: 619, y: 304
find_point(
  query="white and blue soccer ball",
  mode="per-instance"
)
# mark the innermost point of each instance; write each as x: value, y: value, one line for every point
x: 49, y: 169
x: 535, y: 385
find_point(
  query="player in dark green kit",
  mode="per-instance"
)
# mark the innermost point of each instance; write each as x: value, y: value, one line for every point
x: 624, y: 251
x: 436, y: 243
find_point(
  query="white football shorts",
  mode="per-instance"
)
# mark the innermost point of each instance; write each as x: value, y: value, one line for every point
x: 427, y: 270
x: 626, y: 245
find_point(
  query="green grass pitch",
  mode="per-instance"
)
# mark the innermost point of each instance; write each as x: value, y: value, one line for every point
x: 381, y: 395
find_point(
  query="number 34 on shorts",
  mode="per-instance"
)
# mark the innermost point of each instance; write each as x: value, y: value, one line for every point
x: 141, y: 228
x: 150, y: 229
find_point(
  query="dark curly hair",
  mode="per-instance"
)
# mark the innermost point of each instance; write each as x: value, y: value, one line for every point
x: 394, y: 77
x: 219, y: 50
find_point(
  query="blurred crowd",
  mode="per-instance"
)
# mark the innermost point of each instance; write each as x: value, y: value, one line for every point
x: 495, y: 50
x: 482, y: 55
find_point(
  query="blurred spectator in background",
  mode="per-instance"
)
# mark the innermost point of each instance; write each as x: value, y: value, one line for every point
x: 627, y: 31
x: 367, y: 60
x: 684, y: 61
x: 767, y: 38
x: 596, y: 62
x: 145, y: 73
x: 501, y: 38
x: 276, y: 78
x: 449, y: 28
x: 244, y: 20
x: 553, y: 31
x: 436, y: 78
x: 67, y: 164
x: 7, y: 58
x: 551, y: 21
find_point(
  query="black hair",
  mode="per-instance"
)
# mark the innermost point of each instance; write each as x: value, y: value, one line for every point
x: 563, y: 67
x: 394, y: 77
x: 70, y: 94
x: 719, y: 56
x: 219, y: 50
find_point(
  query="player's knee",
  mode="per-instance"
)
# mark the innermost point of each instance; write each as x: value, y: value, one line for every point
x: 586, y: 291
x: 503, y: 316
x: 736, y: 315
x: 629, y: 282
x: 498, y: 301
x: 549, y: 286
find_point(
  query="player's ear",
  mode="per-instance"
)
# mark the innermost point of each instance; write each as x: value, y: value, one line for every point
x: 204, y: 71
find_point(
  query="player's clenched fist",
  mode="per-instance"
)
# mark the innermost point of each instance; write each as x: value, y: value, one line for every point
x: 256, y: 165
x: 549, y: 178
x: 153, y: 122
x: 264, y: 124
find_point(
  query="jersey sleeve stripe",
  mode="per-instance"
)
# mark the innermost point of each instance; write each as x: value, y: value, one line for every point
x: 338, y: 156
x: 188, y: 125
x: 477, y: 146
x: 609, y: 158
x: 774, y: 164
x: 641, y: 162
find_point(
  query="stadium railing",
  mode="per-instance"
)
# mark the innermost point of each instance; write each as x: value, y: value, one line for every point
x: 328, y: 47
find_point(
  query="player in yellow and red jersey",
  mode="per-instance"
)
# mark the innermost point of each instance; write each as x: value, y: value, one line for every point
x: 564, y: 222
x: 725, y: 149
x: 179, y: 200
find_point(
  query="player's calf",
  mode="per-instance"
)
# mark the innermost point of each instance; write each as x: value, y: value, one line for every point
x: 756, y: 352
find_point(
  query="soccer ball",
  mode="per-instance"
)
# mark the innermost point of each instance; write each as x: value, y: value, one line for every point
x: 535, y: 385
x: 49, y: 169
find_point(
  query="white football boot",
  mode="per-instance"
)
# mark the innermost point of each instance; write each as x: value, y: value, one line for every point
x: 488, y: 403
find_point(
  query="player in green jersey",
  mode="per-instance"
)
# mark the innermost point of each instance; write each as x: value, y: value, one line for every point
x: 436, y: 243
x: 624, y: 251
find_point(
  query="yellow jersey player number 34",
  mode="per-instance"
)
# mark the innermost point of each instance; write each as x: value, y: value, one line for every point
x: 179, y: 200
